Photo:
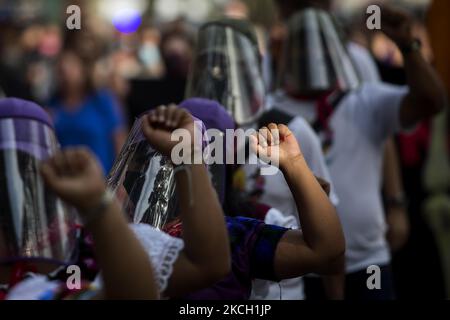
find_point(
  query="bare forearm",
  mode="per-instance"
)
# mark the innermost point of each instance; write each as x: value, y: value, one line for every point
x: 320, y: 225
x: 392, y: 180
x: 204, y: 230
x: 126, y: 269
x: 334, y: 286
x: 396, y: 214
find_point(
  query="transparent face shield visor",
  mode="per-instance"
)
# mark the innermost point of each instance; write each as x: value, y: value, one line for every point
x: 315, y: 56
x: 143, y: 180
x: 227, y: 69
x: 35, y: 225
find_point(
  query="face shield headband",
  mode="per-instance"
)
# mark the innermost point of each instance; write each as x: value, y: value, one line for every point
x: 227, y: 69
x: 34, y: 223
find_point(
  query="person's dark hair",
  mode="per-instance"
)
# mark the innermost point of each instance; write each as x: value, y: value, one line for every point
x: 174, y: 68
x: 172, y: 33
x: 242, y: 26
x: 288, y: 7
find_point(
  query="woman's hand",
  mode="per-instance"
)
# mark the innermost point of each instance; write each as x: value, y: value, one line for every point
x: 276, y: 144
x: 159, y: 125
x: 76, y: 177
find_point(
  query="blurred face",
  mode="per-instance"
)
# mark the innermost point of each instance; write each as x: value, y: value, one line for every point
x: 178, y: 56
x: 71, y: 71
x: 289, y: 7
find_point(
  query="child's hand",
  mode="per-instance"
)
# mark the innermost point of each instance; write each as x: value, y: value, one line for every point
x: 276, y: 144
x: 159, y: 125
x: 76, y: 177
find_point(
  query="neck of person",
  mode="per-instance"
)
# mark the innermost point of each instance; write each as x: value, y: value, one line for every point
x: 73, y: 96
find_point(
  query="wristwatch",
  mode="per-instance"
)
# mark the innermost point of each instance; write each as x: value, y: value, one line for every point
x: 413, y: 46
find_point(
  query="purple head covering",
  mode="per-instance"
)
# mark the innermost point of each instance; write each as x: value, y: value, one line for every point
x: 17, y: 108
x: 212, y: 113
x: 214, y: 116
x: 27, y: 127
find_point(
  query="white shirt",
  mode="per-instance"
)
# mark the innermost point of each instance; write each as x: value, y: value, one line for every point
x: 362, y: 122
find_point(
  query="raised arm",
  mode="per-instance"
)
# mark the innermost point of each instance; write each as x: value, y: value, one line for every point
x: 426, y: 95
x: 206, y: 257
x: 76, y: 177
x: 396, y: 211
x: 320, y: 246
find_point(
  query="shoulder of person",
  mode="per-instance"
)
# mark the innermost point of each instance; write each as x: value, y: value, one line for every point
x: 105, y: 96
x: 302, y: 130
x: 53, y: 103
x: 375, y: 91
x: 370, y: 96
x: 300, y: 124
x: 358, y: 51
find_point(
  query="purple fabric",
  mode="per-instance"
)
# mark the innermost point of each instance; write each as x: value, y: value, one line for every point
x: 238, y: 284
x: 213, y: 114
x: 18, y: 108
x: 253, y: 245
x: 30, y: 136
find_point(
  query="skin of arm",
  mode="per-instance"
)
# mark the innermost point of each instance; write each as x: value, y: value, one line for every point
x: 320, y: 246
x: 76, y: 177
x: 426, y: 95
x: 396, y: 216
x: 115, y: 256
x: 206, y: 256
x: 334, y: 284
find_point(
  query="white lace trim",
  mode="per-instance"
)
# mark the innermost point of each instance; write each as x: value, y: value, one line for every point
x: 32, y: 288
x: 162, y: 249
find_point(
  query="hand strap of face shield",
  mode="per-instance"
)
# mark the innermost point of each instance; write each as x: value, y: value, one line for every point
x: 98, y: 211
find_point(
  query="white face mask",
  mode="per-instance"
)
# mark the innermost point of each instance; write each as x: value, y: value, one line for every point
x: 149, y: 55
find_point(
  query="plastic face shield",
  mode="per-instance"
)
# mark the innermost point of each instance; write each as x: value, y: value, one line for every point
x: 143, y: 180
x: 34, y: 223
x: 315, y: 57
x: 227, y: 69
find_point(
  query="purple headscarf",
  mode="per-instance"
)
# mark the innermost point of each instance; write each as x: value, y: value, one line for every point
x: 14, y: 108
x: 212, y: 113
x: 27, y: 127
x: 214, y: 116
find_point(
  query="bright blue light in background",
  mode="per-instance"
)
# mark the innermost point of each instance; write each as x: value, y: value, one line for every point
x: 127, y: 21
